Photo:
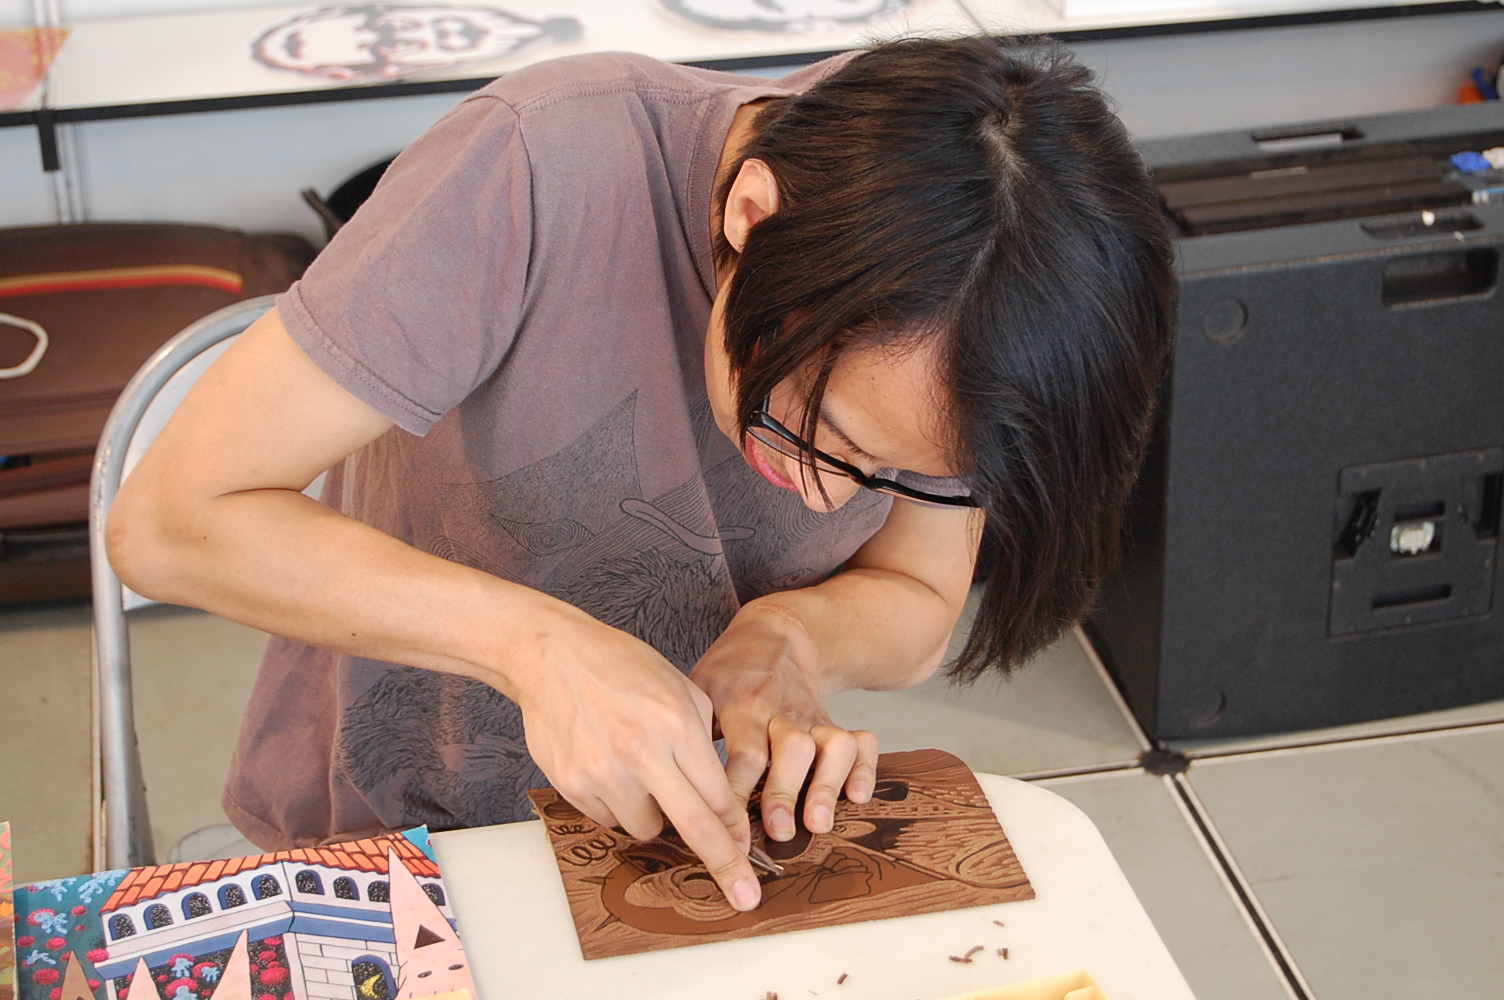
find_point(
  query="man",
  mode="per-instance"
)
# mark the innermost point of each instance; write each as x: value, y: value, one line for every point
x: 628, y: 371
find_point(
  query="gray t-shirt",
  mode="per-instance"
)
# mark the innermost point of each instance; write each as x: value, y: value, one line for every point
x: 526, y: 295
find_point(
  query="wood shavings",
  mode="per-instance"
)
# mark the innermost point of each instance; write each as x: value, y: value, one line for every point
x: 770, y: 995
x: 1003, y: 952
x: 841, y: 980
x: 966, y: 957
x: 999, y: 923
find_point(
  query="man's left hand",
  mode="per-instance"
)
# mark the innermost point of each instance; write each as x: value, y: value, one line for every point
x: 761, y: 678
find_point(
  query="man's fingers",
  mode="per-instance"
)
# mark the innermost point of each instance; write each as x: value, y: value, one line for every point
x: 837, y: 754
x: 793, y: 751
x: 591, y: 806
x: 712, y: 786
x: 746, y: 754
x: 863, y: 778
x: 706, y: 834
x: 705, y: 708
x: 637, y: 814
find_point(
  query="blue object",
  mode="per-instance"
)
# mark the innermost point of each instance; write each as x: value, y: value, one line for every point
x: 1471, y: 162
x: 419, y: 836
x: 1488, y: 88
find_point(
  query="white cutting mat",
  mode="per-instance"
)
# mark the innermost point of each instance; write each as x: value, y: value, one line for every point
x: 505, y: 889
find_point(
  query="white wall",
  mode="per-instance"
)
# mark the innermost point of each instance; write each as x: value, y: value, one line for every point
x: 245, y: 168
x: 241, y: 168
x: 25, y: 192
x: 1236, y: 79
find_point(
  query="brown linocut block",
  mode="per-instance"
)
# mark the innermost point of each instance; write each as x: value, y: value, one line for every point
x: 927, y: 841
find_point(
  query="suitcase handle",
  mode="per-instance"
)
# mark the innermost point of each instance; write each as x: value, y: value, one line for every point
x: 35, y: 357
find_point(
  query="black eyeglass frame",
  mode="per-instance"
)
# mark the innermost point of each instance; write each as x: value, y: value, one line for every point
x: 761, y: 418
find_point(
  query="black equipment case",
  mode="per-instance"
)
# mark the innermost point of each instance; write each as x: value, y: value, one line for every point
x: 1314, y: 540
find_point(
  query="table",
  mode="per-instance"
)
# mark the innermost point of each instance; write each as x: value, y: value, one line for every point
x: 201, y: 60
x: 505, y: 889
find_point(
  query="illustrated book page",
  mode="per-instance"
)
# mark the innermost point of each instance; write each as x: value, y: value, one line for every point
x: 927, y: 841
x: 367, y: 920
x: 7, y: 920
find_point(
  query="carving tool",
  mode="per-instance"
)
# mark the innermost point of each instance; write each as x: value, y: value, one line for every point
x: 762, y: 862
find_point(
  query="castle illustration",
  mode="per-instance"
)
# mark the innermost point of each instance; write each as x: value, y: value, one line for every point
x: 366, y: 920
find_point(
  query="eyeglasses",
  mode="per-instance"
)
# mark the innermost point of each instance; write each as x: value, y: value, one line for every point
x: 784, y: 441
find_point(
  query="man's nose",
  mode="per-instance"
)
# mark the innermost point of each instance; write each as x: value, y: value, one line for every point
x: 838, y: 488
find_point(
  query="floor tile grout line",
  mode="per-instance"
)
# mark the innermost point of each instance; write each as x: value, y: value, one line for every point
x: 1233, y: 879
x: 1336, y: 742
x: 1270, y: 747
x: 1139, y: 736
x: 1083, y: 771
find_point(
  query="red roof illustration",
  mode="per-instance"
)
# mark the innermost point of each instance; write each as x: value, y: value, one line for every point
x: 367, y: 855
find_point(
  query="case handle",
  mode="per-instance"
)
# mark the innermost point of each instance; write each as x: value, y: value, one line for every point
x: 35, y: 357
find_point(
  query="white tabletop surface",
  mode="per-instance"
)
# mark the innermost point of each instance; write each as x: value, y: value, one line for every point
x: 506, y: 891
x: 206, y: 54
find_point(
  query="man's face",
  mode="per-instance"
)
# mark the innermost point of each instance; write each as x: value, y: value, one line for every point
x: 786, y: 15
x: 377, y: 41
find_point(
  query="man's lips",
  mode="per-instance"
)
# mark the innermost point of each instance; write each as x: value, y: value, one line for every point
x: 764, y: 468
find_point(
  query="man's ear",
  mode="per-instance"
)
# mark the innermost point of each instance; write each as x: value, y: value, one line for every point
x: 752, y: 198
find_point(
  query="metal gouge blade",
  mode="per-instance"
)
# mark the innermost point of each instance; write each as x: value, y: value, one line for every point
x: 762, y: 862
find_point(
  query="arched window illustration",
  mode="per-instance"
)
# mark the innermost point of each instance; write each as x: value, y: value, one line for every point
x: 121, y: 926
x: 231, y: 896
x: 434, y: 893
x: 196, y: 905
x: 264, y: 886
x: 379, y: 892
x: 373, y: 978
x: 157, y: 915
x: 344, y: 888
x: 309, y: 882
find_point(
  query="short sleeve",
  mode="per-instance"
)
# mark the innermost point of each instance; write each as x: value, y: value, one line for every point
x: 416, y: 300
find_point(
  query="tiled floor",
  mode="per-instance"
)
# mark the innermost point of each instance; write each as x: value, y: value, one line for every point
x: 192, y: 674
x: 1381, y: 863
x: 1177, y: 882
x: 1374, y: 853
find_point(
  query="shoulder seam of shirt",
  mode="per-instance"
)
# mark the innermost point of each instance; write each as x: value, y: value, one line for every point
x: 362, y: 372
x: 617, y: 85
x: 532, y: 239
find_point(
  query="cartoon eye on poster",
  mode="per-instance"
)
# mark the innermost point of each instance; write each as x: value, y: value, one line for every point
x: 786, y: 16
x: 370, y: 42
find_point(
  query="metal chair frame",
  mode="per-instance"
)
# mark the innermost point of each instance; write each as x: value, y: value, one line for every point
x: 127, y: 820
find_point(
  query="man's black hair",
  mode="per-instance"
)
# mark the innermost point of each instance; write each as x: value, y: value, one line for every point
x: 979, y: 191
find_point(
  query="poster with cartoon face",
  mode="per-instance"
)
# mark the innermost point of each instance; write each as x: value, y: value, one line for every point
x: 372, y: 42
x: 786, y: 16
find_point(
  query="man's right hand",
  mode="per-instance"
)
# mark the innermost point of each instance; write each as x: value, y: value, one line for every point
x: 626, y: 738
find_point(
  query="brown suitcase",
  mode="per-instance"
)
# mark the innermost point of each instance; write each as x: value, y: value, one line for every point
x: 107, y: 295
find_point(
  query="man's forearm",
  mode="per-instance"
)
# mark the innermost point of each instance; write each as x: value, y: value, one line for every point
x: 283, y: 563
x: 864, y: 628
